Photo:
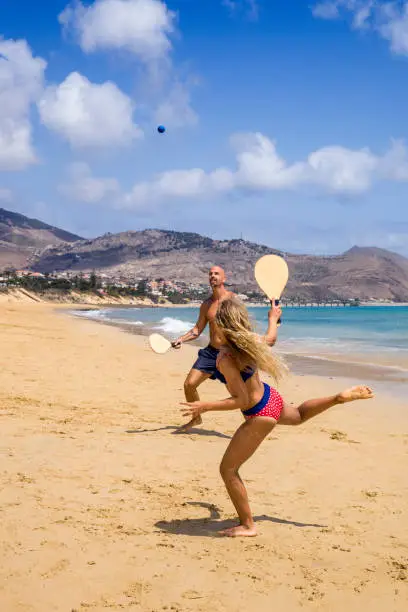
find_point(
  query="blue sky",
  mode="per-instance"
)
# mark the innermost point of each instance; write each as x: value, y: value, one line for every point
x: 286, y: 119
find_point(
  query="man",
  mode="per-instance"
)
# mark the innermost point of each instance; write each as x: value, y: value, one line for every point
x: 205, y: 366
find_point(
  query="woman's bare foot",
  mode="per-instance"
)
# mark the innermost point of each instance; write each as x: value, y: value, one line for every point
x: 355, y: 393
x: 239, y: 531
x: 193, y: 423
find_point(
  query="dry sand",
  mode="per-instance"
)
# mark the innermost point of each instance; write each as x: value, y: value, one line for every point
x: 102, y: 507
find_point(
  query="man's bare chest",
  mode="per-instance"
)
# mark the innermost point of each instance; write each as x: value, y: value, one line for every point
x: 212, y: 311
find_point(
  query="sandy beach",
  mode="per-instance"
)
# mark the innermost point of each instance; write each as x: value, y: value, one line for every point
x: 102, y: 507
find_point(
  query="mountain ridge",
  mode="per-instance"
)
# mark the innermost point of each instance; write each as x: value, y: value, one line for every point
x: 360, y: 272
x: 22, y: 237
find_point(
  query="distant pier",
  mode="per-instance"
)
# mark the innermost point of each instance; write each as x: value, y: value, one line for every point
x: 352, y: 303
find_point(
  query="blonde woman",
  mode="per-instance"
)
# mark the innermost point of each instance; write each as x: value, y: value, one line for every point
x: 244, y: 351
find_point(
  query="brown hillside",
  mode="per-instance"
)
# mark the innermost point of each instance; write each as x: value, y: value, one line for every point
x: 21, y: 238
x: 359, y: 273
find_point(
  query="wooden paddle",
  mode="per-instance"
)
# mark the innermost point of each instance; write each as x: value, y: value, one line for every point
x: 271, y: 274
x: 159, y: 344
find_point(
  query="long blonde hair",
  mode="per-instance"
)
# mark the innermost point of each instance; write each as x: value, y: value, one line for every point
x: 250, y: 349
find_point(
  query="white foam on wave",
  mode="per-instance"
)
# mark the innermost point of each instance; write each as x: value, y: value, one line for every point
x: 136, y: 323
x: 90, y: 314
x: 126, y: 322
x: 169, y: 325
x: 105, y: 315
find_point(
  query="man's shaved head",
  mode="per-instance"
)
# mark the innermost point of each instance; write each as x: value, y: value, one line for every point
x: 216, y: 276
x: 218, y: 269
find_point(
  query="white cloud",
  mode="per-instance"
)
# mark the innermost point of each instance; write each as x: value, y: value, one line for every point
x: 142, y: 27
x: 394, y: 27
x: 341, y: 170
x: 258, y: 163
x: 88, y: 114
x: 191, y: 183
x: 332, y: 170
x: 21, y: 82
x: 83, y: 187
x: 388, y: 19
x: 394, y: 164
x: 335, y: 169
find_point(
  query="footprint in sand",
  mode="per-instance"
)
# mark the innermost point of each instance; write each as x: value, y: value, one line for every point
x: 192, y: 595
x: 56, y: 569
x: 341, y: 436
x: 136, y: 590
x: 370, y: 494
x: 399, y: 569
x: 23, y: 478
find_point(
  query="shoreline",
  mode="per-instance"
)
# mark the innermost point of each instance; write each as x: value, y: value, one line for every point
x: 352, y: 366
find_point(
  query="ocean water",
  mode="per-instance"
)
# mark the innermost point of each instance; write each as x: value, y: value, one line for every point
x: 368, y: 330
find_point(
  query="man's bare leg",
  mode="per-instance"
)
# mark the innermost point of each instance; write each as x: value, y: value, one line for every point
x: 296, y: 415
x: 194, y: 379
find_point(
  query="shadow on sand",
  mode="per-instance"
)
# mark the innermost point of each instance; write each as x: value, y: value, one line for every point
x: 210, y: 526
x: 199, y: 432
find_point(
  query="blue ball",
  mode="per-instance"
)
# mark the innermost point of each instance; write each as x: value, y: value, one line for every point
x: 161, y: 129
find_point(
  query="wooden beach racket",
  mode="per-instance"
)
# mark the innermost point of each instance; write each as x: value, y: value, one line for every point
x: 271, y: 274
x: 159, y: 344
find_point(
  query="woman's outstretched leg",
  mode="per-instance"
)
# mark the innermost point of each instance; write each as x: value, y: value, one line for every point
x: 244, y: 443
x: 295, y: 415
